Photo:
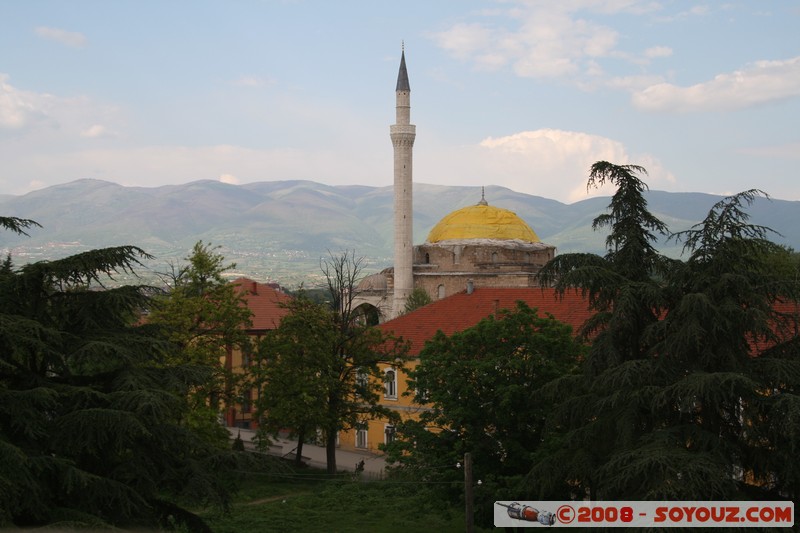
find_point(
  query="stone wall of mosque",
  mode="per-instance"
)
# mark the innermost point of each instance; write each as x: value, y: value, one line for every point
x: 445, y: 268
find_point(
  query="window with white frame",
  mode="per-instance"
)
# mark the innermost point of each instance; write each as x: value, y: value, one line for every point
x: 388, y: 433
x: 390, y: 384
x: 361, y: 435
x: 362, y: 381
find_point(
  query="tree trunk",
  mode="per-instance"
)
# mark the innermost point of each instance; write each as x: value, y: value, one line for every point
x: 330, y: 451
x: 301, y: 436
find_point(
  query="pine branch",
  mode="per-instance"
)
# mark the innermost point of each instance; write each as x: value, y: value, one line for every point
x: 18, y: 225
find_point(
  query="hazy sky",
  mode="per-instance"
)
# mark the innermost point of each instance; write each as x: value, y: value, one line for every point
x: 526, y: 94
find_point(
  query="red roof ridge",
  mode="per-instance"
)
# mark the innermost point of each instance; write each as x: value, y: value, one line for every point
x: 464, y: 310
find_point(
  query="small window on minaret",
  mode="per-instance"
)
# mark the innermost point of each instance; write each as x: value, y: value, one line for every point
x: 427, y: 259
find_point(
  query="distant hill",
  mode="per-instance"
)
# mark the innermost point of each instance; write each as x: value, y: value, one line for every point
x: 280, y: 230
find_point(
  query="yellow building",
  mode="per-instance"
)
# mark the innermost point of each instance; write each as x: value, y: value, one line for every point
x: 265, y: 303
x: 450, y: 315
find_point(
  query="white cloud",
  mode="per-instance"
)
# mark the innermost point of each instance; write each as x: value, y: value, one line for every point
x: 95, y: 131
x: 69, y: 38
x: 545, y: 39
x: 658, y: 51
x: 757, y: 83
x: 44, y: 117
x: 36, y: 184
x: 633, y: 83
x: 550, y: 163
x: 463, y: 40
x: 19, y: 108
x: 230, y: 179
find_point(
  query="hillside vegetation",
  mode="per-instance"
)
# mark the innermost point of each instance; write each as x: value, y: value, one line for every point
x: 280, y: 230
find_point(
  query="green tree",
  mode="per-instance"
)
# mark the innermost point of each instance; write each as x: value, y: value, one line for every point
x: 672, y: 403
x: 288, y: 370
x: 419, y: 297
x: 341, y: 381
x: 91, y: 431
x: 205, y: 317
x: 624, y: 291
x: 786, y: 262
x: 355, y: 379
x: 729, y: 367
x: 482, y: 390
x: 17, y: 225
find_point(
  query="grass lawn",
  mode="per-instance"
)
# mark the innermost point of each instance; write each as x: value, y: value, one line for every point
x: 308, y: 500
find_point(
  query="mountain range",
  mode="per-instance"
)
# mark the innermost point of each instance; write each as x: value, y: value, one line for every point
x: 281, y: 230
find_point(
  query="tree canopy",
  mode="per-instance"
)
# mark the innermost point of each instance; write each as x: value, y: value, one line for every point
x: 419, y: 297
x: 329, y: 360
x: 92, y: 428
x: 204, y: 317
x: 480, y: 393
x: 290, y: 372
x: 692, y: 367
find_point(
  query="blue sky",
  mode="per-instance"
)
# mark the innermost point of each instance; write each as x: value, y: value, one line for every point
x: 526, y: 94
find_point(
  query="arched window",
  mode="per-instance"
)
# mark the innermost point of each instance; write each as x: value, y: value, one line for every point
x: 440, y: 291
x: 427, y: 258
x: 390, y: 384
x: 494, y: 257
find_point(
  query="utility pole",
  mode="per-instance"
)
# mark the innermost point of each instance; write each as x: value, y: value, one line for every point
x: 468, y: 491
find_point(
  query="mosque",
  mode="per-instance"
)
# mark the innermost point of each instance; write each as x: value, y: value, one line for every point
x: 476, y: 246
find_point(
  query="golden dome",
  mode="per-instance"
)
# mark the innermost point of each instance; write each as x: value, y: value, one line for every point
x: 482, y: 221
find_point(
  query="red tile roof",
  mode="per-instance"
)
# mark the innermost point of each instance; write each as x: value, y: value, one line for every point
x: 264, y: 301
x: 462, y: 311
x: 785, y: 329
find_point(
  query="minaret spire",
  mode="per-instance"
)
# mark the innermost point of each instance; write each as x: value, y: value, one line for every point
x: 403, y: 134
x: 402, y: 75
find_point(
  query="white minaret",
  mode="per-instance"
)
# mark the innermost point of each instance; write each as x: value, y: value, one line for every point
x: 403, y: 134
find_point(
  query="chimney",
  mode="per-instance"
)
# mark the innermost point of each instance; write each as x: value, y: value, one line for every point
x: 255, y: 288
x: 470, y: 286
